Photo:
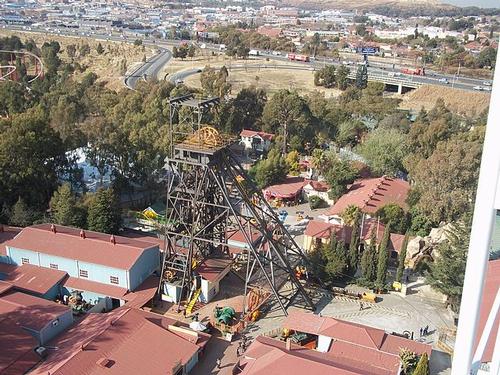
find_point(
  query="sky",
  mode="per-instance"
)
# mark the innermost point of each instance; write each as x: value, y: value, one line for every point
x: 479, y: 3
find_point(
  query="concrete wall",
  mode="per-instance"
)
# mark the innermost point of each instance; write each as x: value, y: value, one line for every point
x: 55, y: 327
x: 147, y: 263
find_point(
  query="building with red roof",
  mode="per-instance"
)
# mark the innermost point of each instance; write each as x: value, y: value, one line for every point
x: 125, y: 341
x: 331, y: 346
x: 27, y: 322
x: 319, y: 189
x: 256, y: 141
x: 104, y: 267
x: 6, y: 234
x: 212, y: 271
x: 290, y: 189
x: 370, y: 195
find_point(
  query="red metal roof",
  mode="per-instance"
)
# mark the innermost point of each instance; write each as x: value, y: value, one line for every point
x: 266, y: 356
x: 490, y: 290
x: 96, y: 248
x: 30, y: 311
x: 17, y: 355
x: 99, y: 288
x: 7, y: 233
x: 5, y: 286
x: 212, y: 268
x: 352, y: 333
x: 253, y: 133
x: 290, y: 188
x: 321, y: 229
x: 127, y: 341
x: 371, y: 194
x: 143, y: 293
x: 321, y: 186
x: 35, y: 279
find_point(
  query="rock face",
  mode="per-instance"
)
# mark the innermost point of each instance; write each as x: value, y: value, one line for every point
x: 421, y: 247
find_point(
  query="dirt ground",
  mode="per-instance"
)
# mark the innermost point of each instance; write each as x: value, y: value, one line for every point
x: 106, y: 65
x: 269, y: 75
x: 459, y: 101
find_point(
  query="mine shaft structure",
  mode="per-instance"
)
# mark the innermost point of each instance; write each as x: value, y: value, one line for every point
x: 210, y: 197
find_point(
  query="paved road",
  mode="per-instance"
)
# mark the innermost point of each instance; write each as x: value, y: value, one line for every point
x: 149, y: 69
x: 376, y: 68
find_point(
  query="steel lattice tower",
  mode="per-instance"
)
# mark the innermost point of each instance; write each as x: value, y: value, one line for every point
x: 209, y: 196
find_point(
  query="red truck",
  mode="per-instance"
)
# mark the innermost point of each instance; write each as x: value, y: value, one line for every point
x: 413, y: 71
x: 294, y: 57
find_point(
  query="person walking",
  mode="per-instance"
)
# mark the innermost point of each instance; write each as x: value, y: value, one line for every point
x: 421, y: 331
x: 426, y: 330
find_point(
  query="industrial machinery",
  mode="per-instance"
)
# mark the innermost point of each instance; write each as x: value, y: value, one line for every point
x: 209, y: 197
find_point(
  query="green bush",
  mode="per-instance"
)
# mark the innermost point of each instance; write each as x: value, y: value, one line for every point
x: 317, y: 202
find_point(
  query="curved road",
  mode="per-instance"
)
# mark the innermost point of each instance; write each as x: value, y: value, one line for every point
x: 149, y: 69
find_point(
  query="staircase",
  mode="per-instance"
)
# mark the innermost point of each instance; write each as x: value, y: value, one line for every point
x: 192, y: 302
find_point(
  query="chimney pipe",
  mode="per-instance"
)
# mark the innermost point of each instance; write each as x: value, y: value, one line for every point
x: 53, y: 228
x: 112, y: 239
x: 82, y: 234
x: 289, y: 344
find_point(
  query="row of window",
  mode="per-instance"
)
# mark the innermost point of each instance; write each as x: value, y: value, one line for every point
x: 82, y: 273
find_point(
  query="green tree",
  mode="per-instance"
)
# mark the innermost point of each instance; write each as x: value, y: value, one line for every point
x: 350, y: 133
x: 353, y: 255
x: 394, y: 214
x: 338, y: 174
x: 362, y: 77
x: 71, y: 51
x: 447, y: 180
x: 214, y: 83
x: 288, y: 114
x: 408, y: 360
x: 21, y: 215
x: 384, y: 150
x: 350, y: 214
x: 336, y: 259
x: 325, y: 77
x: 104, y: 214
x: 383, y: 257
x: 402, y: 258
x: 369, y: 258
x: 271, y: 170
x: 84, y: 49
x: 447, y: 272
x: 31, y: 158
x: 138, y: 42
x: 341, y: 77
x: 65, y: 209
x: 99, y: 49
x: 422, y: 366
x: 191, y: 51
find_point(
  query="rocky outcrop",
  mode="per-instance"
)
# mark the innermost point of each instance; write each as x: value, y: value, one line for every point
x: 426, y: 247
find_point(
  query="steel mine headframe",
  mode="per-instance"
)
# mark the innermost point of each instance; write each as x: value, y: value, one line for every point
x: 209, y: 198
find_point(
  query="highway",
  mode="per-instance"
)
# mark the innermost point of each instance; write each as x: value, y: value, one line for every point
x: 153, y: 66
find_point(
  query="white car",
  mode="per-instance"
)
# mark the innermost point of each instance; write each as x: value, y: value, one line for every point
x: 477, y: 88
x: 487, y: 83
x: 276, y: 53
x: 443, y: 80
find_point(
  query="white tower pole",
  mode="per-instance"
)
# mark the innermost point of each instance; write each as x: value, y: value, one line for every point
x: 479, y: 245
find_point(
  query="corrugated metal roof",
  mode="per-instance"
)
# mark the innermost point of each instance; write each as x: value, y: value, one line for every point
x: 86, y: 246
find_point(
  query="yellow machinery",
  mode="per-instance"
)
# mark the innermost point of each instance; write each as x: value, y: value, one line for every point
x: 369, y: 297
x: 189, y: 308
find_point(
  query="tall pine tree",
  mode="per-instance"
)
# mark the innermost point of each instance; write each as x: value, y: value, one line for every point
x: 383, y: 257
x: 422, y: 366
x: 362, y: 77
x: 64, y: 207
x: 337, y: 261
x: 104, y: 212
x: 369, y: 258
x: 448, y: 270
x: 402, y: 257
x: 354, y: 247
